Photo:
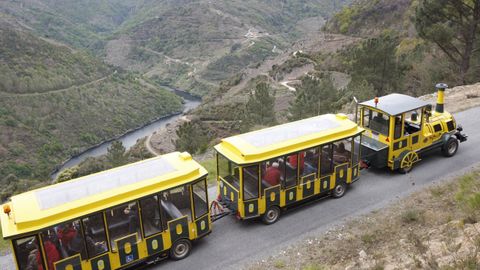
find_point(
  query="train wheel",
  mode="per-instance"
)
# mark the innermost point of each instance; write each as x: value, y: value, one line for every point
x: 271, y: 215
x: 180, y: 249
x: 339, y: 190
x: 408, y: 161
x: 450, y: 148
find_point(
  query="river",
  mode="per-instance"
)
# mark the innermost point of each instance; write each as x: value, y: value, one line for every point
x: 130, y: 138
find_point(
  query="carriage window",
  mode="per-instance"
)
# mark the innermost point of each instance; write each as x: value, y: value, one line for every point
x: 250, y: 182
x: 63, y: 241
x: 397, y: 133
x: 291, y: 169
x: 150, y: 212
x: 376, y: 121
x: 413, y: 121
x: 326, y: 160
x: 309, y: 164
x: 28, y: 253
x: 229, y: 171
x: 200, y: 198
x: 175, y: 203
x: 356, y: 150
x: 122, y: 221
x: 272, y: 172
x: 342, y: 152
x: 95, y: 238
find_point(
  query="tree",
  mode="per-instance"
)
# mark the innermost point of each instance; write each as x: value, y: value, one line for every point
x: 454, y: 26
x: 374, y: 60
x: 314, y: 97
x: 260, y: 106
x: 116, y: 154
x: 192, y: 137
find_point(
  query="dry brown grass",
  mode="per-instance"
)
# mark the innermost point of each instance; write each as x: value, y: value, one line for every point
x: 430, y: 229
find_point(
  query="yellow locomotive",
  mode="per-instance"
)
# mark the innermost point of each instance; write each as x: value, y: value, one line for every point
x: 399, y: 127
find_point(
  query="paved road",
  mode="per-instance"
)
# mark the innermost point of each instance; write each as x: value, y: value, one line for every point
x: 232, y: 244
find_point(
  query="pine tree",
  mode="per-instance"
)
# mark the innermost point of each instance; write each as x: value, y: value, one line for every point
x: 260, y: 106
x: 116, y: 154
x: 454, y: 26
x: 314, y: 97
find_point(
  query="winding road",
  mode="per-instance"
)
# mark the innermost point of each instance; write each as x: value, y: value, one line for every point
x: 234, y: 244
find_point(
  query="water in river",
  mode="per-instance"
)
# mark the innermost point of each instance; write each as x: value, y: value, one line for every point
x: 129, y: 139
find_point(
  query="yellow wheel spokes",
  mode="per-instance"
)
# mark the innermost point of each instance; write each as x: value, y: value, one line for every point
x: 409, y: 159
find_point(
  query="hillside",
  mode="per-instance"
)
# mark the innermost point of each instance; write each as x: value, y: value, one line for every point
x: 193, y: 45
x: 56, y: 101
x: 30, y: 64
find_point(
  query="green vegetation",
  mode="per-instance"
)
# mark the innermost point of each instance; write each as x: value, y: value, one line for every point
x: 116, y: 156
x: 50, y: 127
x: 42, y: 66
x: 375, y: 61
x: 468, y: 196
x: 211, y: 166
x: 434, y: 228
x: 192, y: 137
x: 315, y: 96
x: 454, y: 26
x: 260, y: 106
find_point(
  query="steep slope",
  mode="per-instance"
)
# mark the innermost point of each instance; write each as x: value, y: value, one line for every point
x: 57, y: 101
x: 29, y: 64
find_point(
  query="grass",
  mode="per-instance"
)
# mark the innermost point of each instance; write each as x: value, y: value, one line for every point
x: 211, y: 166
x: 421, y: 231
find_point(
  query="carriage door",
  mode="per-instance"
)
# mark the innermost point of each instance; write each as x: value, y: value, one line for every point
x: 308, y: 166
x: 124, y: 232
x: 250, y: 186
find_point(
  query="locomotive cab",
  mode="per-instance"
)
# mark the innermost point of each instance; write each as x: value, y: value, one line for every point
x: 400, y: 127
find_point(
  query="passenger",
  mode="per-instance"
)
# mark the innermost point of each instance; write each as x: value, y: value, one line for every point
x: 272, y: 175
x: 292, y: 161
x: 341, y: 155
x: 66, y: 235
x: 34, y: 261
x: 51, y: 252
x: 94, y: 248
x: 132, y: 213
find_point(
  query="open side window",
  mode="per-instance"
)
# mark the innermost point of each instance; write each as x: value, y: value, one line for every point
x: 150, y: 214
x: 200, y: 198
x: 123, y: 220
x: 175, y: 203
x: 250, y: 182
x: 28, y: 253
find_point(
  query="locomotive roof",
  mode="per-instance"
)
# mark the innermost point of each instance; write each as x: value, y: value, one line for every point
x: 394, y: 104
x: 279, y: 140
x: 53, y: 204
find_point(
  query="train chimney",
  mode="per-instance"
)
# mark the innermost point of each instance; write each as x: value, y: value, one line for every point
x: 440, y: 97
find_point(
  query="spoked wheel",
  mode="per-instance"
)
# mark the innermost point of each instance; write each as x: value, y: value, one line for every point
x: 271, y: 215
x: 339, y: 190
x: 180, y: 249
x: 408, y: 161
x: 450, y: 148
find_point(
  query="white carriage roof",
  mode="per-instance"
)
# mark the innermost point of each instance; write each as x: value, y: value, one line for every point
x: 101, y: 182
x: 282, y: 133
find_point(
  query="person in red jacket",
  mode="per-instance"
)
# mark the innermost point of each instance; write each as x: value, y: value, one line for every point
x: 272, y: 174
x: 66, y: 235
x: 51, y: 252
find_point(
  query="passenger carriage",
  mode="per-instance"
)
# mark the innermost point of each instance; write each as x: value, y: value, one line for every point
x: 113, y: 219
x: 261, y: 172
